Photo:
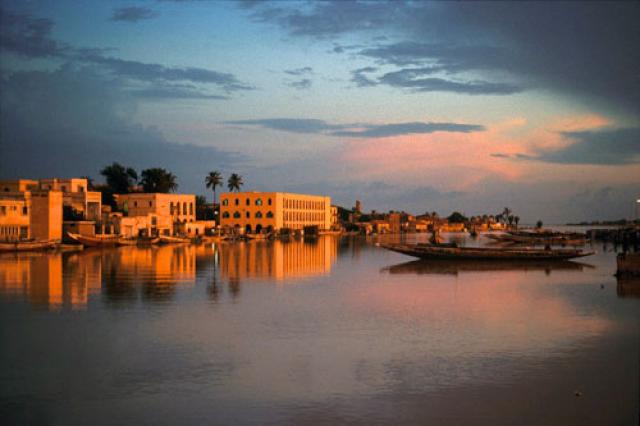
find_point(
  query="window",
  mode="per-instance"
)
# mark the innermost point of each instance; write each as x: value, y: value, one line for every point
x: 135, y: 204
x: 225, y: 215
x: 171, y: 207
x: 225, y: 202
x: 248, y: 215
x: 237, y: 202
x: 247, y: 202
x: 269, y: 215
x: 150, y: 203
x: 25, y: 210
x: 3, y: 210
x: 236, y: 215
x: 184, y: 208
x: 259, y: 215
x: 269, y: 201
x: 63, y: 188
x: 191, y: 208
x: 259, y: 202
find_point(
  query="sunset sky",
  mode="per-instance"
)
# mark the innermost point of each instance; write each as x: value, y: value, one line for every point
x: 404, y: 105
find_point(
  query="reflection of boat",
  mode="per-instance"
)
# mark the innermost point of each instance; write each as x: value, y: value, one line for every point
x: 448, y: 266
x: 138, y: 241
x: 425, y: 251
x: 166, y: 239
x: 26, y: 245
x: 257, y: 236
x: 95, y: 241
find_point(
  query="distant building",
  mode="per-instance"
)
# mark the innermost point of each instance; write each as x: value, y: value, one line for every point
x: 253, y: 212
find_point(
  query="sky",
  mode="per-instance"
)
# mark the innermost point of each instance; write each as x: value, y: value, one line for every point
x: 415, y: 106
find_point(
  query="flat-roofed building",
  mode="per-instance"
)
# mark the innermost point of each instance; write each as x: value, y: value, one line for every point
x: 168, y: 213
x: 75, y: 194
x: 253, y: 212
x: 31, y: 215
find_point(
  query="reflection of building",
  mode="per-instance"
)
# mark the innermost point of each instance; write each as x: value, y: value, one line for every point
x: 155, y: 213
x: 257, y: 211
x: 30, y: 214
x: 53, y: 280
x: 166, y: 264
x: 279, y: 260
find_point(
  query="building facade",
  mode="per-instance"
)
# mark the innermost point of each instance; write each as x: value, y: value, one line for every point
x: 165, y: 214
x: 30, y: 215
x: 255, y: 212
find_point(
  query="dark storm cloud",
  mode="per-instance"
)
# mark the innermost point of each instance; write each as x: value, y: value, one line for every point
x: 88, y: 128
x: 357, y: 130
x: 133, y: 14
x: 29, y: 36
x: 586, y: 49
x: 607, y: 146
x: 612, y: 146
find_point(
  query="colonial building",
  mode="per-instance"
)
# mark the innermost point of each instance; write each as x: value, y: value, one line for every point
x: 30, y: 215
x: 157, y: 213
x: 253, y: 212
x: 76, y: 197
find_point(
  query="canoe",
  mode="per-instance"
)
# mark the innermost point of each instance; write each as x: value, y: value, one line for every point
x: 95, y: 241
x: 166, y: 239
x: 424, y: 251
x: 8, y: 246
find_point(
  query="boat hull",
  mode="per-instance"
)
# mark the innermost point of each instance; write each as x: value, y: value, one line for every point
x: 26, y: 246
x: 110, y: 241
x: 483, y: 253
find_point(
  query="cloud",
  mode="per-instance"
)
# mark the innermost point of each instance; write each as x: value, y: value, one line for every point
x: 29, y: 36
x: 303, y: 84
x: 408, y: 79
x: 300, y: 71
x: 606, y: 146
x: 89, y: 127
x: 356, y: 130
x: 173, y: 92
x: 133, y: 14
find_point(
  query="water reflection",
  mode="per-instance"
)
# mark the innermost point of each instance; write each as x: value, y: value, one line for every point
x: 454, y: 267
x: 628, y: 287
x: 128, y: 274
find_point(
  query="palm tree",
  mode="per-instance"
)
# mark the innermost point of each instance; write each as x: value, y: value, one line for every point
x: 213, y: 180
x: 158, y: 180
x: 234, y: 182
x: 506, y: 212
x: 516, y: 219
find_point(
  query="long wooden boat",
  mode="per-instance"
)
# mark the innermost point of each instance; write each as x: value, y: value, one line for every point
x: 95, y: 241
x: 138, y: 241
x: 424, y: 251
x: 455, y: 266
x: 166, y: 239
x: 8, y: 246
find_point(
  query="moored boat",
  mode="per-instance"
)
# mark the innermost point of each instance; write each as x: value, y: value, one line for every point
x: 166, y: 239
x: 425, y: 251
x: 8, y: 246
x: 95, y: 241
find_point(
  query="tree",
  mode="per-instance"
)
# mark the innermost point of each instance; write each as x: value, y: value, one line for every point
x: 516, y: 219
x: 158, y: 180
x: 234, y: 182
x: 119, y: 179
x: 213, y: 180
x: 506, y: 212
x: 510, y: 219
x: 457, y: 217
x: 539, y: 224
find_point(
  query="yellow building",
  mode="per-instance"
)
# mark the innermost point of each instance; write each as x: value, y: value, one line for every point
x: 253, y: 212
x: 75, y: 193
x: 167, y: 213
x: 30, y: 215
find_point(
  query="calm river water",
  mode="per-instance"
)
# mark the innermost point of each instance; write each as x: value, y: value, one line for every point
x: 326, y: 332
